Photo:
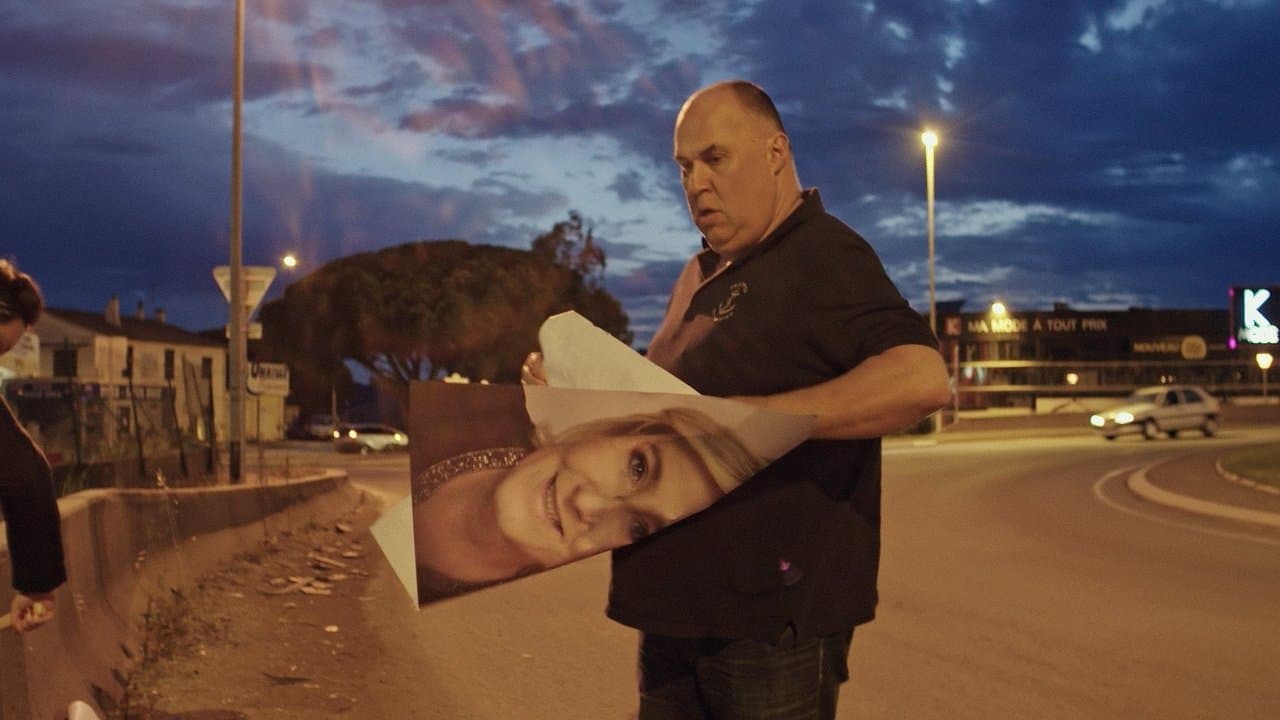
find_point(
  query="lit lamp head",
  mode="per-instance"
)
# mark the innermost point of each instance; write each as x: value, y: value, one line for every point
x: 1073, y: 378
x: 929, y: 138
x: 290, y: 261
x: 1264, y: 360
x: 998, y: 309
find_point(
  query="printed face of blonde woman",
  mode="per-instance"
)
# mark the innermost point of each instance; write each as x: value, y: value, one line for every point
x: 569, y: 501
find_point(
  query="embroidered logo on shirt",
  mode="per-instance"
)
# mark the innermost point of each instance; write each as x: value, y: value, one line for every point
x: 725, y: 309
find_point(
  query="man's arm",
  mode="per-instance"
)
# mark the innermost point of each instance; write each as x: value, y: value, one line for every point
x: 882, y: 395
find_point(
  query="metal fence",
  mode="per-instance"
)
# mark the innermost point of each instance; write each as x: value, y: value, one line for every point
x: 99, y: 435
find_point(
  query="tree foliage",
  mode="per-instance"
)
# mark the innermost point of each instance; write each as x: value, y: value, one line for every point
x: 426, y: 309
x: 571, y: 245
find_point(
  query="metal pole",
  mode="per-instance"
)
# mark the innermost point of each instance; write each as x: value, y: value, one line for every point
x: 933, y: 304
x: 955, y: 382
x: 239, y: 351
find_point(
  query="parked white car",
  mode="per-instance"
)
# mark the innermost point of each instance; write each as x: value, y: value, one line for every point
x: 367, y: 438
x: 1159, y: 409
x: 321, y: 427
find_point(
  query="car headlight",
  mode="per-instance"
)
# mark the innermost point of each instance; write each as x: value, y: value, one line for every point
x: 1097, y: 421
x: 1124, y: 418
x: 336, y: 435
x: 351, y: 433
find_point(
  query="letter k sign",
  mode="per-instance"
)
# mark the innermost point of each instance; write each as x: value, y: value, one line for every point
x: 1253, y: 302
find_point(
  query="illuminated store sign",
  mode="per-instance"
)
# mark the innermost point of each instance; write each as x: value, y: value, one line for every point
x: 1254, y: 312
x: 1189, y: 347
x: 1034, y: 324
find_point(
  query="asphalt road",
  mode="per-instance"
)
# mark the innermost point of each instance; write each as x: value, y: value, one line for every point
x: 1020, y: 578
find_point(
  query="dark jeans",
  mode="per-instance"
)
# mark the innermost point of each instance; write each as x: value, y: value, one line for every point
x: 710, y: 679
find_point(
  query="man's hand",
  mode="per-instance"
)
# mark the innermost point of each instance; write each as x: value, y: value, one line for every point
x: 531, y: 371
x: 31, y: 611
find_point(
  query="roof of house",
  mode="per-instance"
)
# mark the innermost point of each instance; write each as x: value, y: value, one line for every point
x: 134, y: 328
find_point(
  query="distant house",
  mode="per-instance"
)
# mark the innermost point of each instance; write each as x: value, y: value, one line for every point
x: 129, y: 374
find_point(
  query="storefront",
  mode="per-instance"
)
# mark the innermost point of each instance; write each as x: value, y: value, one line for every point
x: 1014, y: 359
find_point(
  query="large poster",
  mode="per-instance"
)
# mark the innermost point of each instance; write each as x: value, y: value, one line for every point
x: 511, y: 480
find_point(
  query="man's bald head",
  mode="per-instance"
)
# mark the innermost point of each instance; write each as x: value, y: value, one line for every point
x: 750, y: 98
x: 736, y: 166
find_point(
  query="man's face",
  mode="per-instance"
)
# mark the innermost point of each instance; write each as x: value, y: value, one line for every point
x: 723, y: 154
x: 567, y: 501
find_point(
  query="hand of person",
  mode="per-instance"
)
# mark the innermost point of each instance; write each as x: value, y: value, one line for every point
x: 31, y: 611
x: 531, y: 372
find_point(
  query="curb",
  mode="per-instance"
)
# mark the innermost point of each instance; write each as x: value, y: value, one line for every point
x: 1142, y: 487
x: 1242, y: 480
x: 122, y: 544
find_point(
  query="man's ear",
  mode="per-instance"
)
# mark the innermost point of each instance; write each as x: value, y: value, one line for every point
x: 778, y: 149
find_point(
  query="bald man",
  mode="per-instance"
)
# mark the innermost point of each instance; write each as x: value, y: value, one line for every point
x: 747, y: 609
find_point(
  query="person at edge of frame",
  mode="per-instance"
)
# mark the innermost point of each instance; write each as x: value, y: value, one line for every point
x: 748, y: 610
x: 33, y: 524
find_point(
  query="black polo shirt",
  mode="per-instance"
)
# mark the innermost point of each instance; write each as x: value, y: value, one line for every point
x: 800, y: 542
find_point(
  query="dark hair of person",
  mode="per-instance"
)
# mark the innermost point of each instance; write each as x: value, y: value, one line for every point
x: 757, y: 101
x: 20, y: 293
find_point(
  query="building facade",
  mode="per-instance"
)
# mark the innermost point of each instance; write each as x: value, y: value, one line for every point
x: 1016, y: 359
x: 100, y: 387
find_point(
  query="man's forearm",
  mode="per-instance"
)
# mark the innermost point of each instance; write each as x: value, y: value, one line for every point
x: 882, y: 395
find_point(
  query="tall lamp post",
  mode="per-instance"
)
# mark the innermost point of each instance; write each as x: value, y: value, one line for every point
x: 1264, y: 360
x: 930, y: 140
x: 237, y: 320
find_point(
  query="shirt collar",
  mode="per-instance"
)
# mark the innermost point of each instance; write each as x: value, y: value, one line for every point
x: 810, y: 207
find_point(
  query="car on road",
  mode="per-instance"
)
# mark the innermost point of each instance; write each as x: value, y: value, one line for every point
x: 1167, y: 409
x: 321, y: 427
x: 369, y: 437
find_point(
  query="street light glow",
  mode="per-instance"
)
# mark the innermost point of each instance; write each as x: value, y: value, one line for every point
x: 998, y: 309
x: 930, y: 140
x: 289, y: 260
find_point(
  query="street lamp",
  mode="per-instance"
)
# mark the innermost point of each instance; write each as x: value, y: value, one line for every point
x: 930, y: 140
x: 290, y: 261
x: 998, y: 309
x: 1264, y: 360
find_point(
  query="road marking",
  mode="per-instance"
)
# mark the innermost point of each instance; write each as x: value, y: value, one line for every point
x: 1097, y: 491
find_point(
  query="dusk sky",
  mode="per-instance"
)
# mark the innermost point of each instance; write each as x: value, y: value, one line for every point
x: 1103, y: 153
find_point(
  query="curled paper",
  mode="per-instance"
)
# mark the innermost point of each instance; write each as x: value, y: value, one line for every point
x: 509, y: 480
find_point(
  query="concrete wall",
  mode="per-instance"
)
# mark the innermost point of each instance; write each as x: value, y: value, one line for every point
x: 123, y: 545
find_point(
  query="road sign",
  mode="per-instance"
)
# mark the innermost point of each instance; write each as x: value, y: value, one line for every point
x: 268, y: 379
x: 253, y: 330
x: 256, y: 279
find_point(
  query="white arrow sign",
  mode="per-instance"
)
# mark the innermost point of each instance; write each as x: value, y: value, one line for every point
x: 256, y: 279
